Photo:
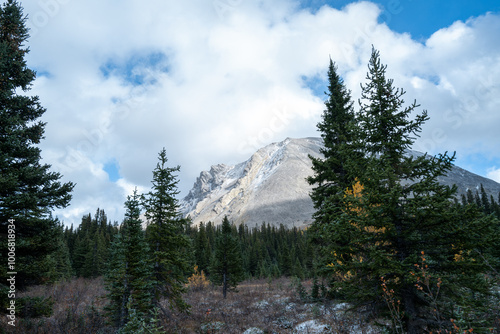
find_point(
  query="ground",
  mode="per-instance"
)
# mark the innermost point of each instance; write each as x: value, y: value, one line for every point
x: 259, y: 306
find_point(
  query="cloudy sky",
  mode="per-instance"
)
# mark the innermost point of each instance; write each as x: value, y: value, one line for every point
x: 214, y: 80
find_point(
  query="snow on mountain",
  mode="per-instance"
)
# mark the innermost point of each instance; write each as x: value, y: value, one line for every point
x: 271, y: 186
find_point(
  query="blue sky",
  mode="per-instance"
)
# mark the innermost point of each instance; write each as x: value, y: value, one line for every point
x: 213, y: 81
x: 420, y: 18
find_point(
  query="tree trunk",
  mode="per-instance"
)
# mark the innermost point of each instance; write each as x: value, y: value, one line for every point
x: 414, y: 325
x: 123, y: 307
x: 224, y: 282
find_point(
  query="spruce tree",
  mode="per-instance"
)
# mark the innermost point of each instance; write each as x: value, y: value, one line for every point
x: 170, y: 246
x: 129, y: 278
x: 89, y: 244
x: 58, y: 263
x: 96, y: 256
x: 332, y: 173
x: 116, y: 282
x: 202, y: 248
x: 485, y: 203
x: 226, y: 267
x: 29, y: 191
x: 396, y: 215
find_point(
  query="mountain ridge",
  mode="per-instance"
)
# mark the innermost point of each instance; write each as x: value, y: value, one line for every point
x: 271, y: 186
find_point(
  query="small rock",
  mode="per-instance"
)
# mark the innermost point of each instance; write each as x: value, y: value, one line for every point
x: 212, y: 327
x: 290, y: 307
x: 282, y: 301
x: 254, y: 330
x: 262, y: 304
x: 311, y: 327
x: 341, y: 307
x: 283, y: 322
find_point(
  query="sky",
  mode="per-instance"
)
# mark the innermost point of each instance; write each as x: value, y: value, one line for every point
x: 212, y: 81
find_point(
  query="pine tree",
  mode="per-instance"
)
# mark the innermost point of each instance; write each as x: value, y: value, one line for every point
x: 485, y: 203
x: 93, y: 250
x: 390, y: 225
x: 96, y: 256
x: 332, y: 173
x: 169, y: 244
x: 81, y: 248
x: 129, y: 278
x: 116, y: 282
x: 89, y: 243
x: 202, y: 248
x: 58, y: 263
x: 226, y: 266
x: 28, y: 189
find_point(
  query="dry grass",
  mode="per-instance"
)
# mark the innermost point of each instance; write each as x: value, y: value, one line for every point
x: 273, y: 306
x: 77, y: 308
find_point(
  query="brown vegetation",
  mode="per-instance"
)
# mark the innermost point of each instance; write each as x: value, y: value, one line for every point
x: 274, y: 306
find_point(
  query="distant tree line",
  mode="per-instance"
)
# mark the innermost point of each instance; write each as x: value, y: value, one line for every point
x: 487, y: 204
x: 266, y: 250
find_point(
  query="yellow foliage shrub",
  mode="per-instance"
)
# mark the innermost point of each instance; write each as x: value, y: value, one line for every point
x: 198, y: 281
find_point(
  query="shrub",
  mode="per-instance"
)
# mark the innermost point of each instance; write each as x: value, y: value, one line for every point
x: 198, y: 281
x: 35, y: 307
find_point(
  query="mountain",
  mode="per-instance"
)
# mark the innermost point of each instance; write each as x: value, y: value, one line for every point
x: 271, y: 186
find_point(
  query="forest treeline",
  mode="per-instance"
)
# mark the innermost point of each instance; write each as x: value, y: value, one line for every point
x: 267, y: 250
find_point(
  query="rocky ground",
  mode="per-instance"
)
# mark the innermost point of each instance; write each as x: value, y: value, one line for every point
x: 263, y: 306
x: 260, y: 306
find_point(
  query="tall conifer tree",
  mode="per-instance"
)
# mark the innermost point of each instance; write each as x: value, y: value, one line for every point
x: 58, y: 263
x: 28, y: 189
x: 129, y: 279
x: 202, y: 248
x: 333, y: 173
x: 169, y: 244
x: 397, y: 215
x: 226, y: 267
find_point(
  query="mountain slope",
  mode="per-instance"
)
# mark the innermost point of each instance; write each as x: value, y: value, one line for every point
x: 271, y: 186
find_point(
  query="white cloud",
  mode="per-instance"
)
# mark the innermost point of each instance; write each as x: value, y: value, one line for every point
x: 494, y: 174
x: 230, y: 81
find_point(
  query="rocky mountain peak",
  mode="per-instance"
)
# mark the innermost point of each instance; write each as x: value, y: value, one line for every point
x: 271, y: 186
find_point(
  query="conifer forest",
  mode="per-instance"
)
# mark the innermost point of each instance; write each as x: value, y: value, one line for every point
x: 389, y: 248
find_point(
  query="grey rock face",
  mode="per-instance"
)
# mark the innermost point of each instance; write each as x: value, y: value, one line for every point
x: 271, y: 187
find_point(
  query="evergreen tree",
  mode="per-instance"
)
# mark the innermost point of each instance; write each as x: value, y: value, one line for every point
x: 332, y: 173
x: 202, y: 248
x: 116, y: 282
x: 28, y: 189
x: 169, y: 244
x: 390, y: 225
x: 211, y: 234
x: 485, y: 203
x: 96, y: 256
x: 470, y: 197
x: 80, y: 250
x: 129, y: 276
x: 89, y: 244
x: 58, y: 263
x: 265, y: 249
x: 226, y: 266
